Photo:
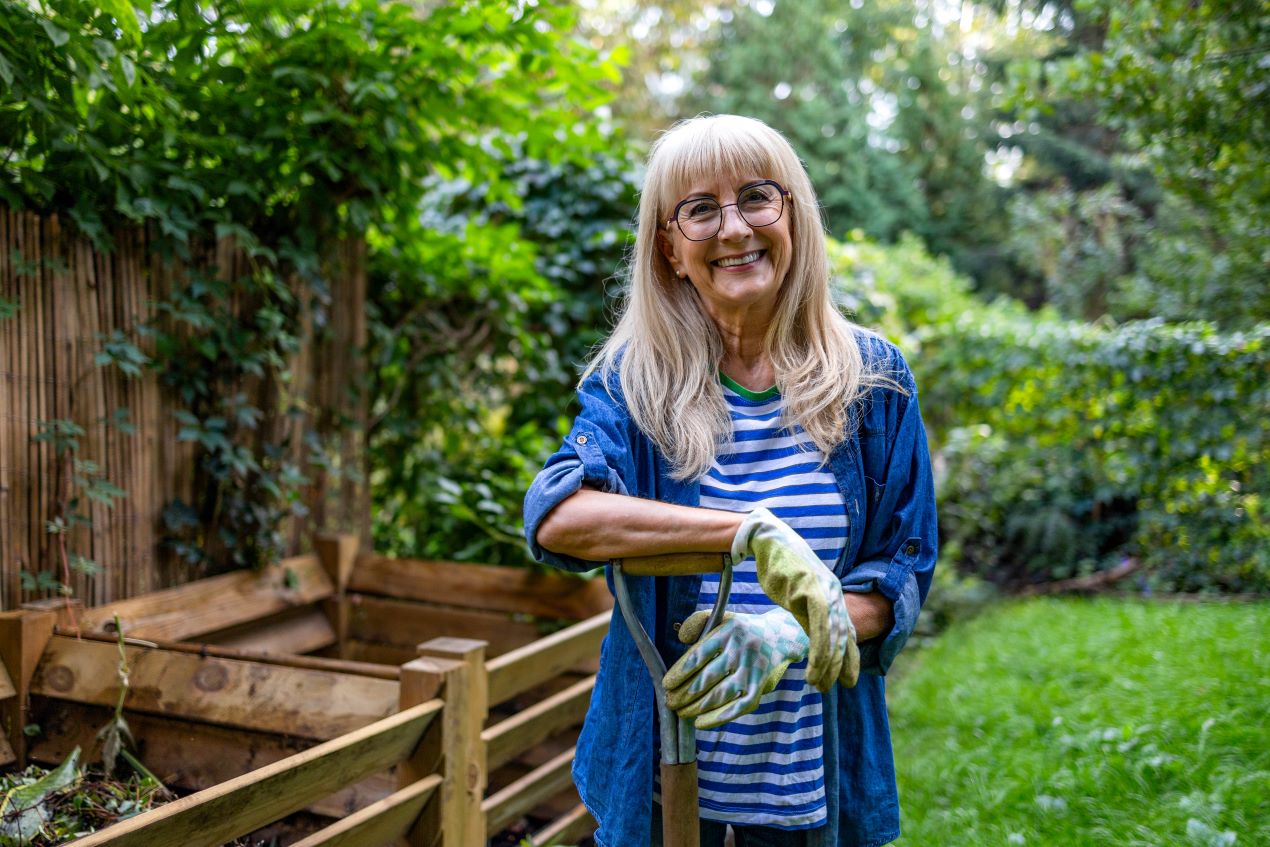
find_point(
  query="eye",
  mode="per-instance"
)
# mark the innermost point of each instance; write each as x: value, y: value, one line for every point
x: 757, y: 195
x: 699, y: 209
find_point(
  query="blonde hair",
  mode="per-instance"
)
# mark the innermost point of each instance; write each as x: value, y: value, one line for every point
x: 666, y: 349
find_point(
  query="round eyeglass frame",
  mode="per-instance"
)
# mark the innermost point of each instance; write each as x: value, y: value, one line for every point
x: 785, y: 195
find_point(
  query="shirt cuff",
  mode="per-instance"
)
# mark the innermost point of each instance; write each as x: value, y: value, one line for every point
x: 896, y: 581
x: 553, y: 485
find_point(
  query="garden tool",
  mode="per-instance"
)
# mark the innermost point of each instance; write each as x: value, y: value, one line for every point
x: 680, y: 815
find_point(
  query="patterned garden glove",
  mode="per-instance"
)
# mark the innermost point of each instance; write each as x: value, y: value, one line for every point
x: 739, y: 661
x: 793, y: 576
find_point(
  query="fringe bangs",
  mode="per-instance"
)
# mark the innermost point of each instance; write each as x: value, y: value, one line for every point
x: 666, y: 351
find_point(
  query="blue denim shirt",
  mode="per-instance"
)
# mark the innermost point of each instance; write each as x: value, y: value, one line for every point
x: 884, y: 475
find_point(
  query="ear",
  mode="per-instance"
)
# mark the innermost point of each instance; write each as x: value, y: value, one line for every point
x: 667, y: 248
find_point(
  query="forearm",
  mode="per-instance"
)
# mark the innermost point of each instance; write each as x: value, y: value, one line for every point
x: 598, y: 526
x: 872, y: 614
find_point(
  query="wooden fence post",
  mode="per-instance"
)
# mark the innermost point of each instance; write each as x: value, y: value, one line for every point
x: 23, y: 636
x: 454, y: 669
x: 338, y: 554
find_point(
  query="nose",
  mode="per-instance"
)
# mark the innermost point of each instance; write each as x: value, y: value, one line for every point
x: 732, y: 226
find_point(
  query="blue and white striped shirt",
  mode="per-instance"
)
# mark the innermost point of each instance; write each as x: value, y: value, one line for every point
x: 767, y: 768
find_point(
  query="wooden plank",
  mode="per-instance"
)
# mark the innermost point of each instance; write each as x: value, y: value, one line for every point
x: 187, y: 755
x: 508, y: 739
x: 227, y: 811
x: 566, y: 829
x: 505, y: 807
x: 525, y: 667
x: 295, y: 631
x: 338, y: 554
x: 408, y: 624
x: 466, y: 696
x: 7, y: 688
x: 491, y: 587
x: 216, y: 603
x: 318, y: 663
x: 382, y: 822
x: 23, y: 636
x: 250, y: 695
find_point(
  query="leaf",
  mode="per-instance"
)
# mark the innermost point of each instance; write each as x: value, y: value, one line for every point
x: 24, y: 810
x: 56, y: 34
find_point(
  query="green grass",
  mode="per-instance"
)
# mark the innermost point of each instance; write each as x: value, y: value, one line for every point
x: 1104, y: 722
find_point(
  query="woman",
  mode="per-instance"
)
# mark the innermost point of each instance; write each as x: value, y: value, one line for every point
x: 733, y: 409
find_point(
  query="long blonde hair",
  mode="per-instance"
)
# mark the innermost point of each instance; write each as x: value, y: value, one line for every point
x: 666, y: 349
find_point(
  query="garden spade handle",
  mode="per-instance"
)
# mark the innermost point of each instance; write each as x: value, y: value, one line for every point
x: 679, y: 818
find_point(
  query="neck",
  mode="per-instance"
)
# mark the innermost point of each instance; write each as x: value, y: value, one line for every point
x: 745, y: 358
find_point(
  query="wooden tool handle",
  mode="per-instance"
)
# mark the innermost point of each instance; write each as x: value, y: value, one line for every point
x: 673, y: 564
x: 680, y: 816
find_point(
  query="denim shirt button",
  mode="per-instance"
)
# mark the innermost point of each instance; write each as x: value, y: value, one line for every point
x: 911, y: 549
x: 582, y: 439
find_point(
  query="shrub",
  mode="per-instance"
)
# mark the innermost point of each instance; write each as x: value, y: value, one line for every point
x: 1064, y: 447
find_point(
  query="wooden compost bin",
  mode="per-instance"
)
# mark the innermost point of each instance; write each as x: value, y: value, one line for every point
x: 386, y: 701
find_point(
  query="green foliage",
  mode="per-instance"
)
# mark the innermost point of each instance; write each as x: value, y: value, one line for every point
x: 1161, y: 107
x: 40, y: 808
x: 891, y: 132
x: 1067, y: 446
x: 1085, y: 724
x: 208, y: 337
x: 477, y: 323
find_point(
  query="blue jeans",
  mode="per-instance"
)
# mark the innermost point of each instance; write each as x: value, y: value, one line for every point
x: 713, y: 833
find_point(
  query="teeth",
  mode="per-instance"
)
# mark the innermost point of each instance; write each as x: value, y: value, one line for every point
x: 740, y: 260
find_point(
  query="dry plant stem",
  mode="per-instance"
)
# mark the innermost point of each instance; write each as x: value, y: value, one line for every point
x: 66, y: 579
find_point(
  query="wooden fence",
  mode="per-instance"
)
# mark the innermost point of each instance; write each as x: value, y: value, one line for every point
x: 68, y: 297
x: 475, y: 741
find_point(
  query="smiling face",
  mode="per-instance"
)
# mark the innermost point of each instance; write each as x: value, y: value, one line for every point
x: 741, y: 269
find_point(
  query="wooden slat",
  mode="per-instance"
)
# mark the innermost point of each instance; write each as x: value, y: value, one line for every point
x: 7, y: 688
x: 292, y: 701
x: 525, y: 667
x: 493, y: 587
x: 566, y: 829
x: 408, y: 624
x: 295, y: 631
x: 227, y: 811
x: 216, y: 603
x: 508, y: 739
x: 522, y: 795
x: 380, y: 823
x: 317, y: 663
x: 186, y: 755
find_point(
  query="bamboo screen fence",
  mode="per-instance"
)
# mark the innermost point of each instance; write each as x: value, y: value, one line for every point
x: 68, y: 296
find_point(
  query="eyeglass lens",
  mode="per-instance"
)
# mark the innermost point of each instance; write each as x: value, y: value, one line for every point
x: 758, y: 205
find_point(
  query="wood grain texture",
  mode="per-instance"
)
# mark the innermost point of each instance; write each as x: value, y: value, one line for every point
x: 380, y: 823
x: 215, y: 603
x: 290, y: 701
x: 509, y: 804
x: 293, y: 632
x: 403, y: 623
x: 491, y: 587
x: 187, y: 755
x: 533, y: 664
x: 508, y: 739
x: 234, y: 808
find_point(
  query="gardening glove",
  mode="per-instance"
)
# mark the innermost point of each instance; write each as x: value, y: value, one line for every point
x: 793, y: 576
x: 725, y: 675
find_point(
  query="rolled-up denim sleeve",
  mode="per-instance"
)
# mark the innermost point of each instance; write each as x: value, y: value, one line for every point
x: 596, y: 453
x: 901, y: 540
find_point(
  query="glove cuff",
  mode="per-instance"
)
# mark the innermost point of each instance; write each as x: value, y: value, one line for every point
x: 745, y: 532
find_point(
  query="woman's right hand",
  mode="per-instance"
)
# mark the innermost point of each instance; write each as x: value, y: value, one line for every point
x: 795, y: 578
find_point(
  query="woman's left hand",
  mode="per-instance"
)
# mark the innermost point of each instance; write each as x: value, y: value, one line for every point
x: 725, y: 675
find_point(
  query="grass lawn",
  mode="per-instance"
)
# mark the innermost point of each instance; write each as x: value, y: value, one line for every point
x: 1088, y: 722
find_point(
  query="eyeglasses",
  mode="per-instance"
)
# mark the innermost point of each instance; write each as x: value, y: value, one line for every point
x: 758, y: 204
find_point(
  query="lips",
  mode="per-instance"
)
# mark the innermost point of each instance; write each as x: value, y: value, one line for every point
x: 743, y: 259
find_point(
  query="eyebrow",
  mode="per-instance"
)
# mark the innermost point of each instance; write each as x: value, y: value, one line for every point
x: 693, y: 195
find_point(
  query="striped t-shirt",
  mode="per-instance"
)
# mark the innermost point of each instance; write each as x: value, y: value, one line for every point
x: 767, y: 768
